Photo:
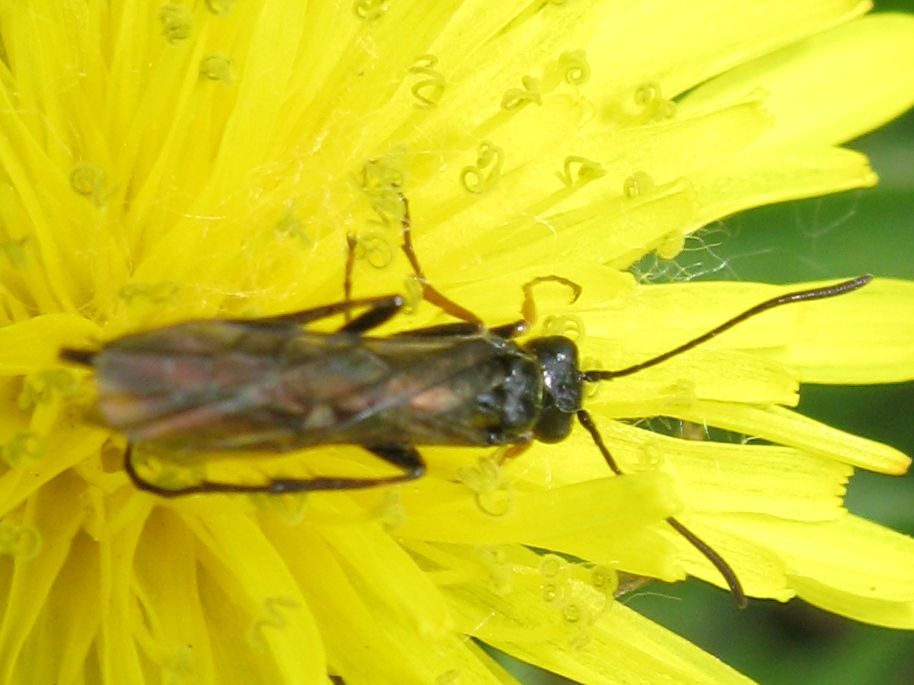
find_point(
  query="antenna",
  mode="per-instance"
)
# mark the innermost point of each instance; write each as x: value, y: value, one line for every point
x: 725, y: 570
x: 789, y: 298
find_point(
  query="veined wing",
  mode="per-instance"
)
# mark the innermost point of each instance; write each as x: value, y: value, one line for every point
x: 225, y: 385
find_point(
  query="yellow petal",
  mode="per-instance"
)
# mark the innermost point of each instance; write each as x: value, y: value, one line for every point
x: 862, y: 339
x: 46, y: 529
x: 778, y: 175
x: 831, y: 87
x: 272, y: 616
x: 849, y: 566
x: 539, y: 515
x: 34, y: 344
x: 559, y: 617
x: 785, y: 427
x: 344, y: 604
x: 647, y: 42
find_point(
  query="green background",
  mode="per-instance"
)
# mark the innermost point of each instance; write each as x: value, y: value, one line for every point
x: 868, y: 231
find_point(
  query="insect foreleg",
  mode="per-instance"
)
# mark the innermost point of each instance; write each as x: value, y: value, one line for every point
x: 736, y: 588
x: 405, y: 458
x: 514, y: 450
x: 528, y: 309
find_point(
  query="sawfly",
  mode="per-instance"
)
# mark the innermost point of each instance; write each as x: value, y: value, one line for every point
x: 271, y: 384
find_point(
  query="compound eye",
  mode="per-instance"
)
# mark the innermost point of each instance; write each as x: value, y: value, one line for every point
x: 553, y: 425
x: 558, y: 360
x: 567, y: 393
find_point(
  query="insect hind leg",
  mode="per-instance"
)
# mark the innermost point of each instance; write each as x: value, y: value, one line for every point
x: 351, y: 244
x: 83, y: 357
x: 430, y: 292
x: 381, y: 312
x: 405, y: 458
x: 306, y: 316
x: 470, y: 322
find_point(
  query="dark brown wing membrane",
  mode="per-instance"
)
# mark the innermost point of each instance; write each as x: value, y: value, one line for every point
x: 230, y: 385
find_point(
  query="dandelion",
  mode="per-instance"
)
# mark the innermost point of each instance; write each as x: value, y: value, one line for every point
x: 161, y: 163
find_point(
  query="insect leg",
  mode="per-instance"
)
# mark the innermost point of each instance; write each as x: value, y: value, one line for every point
x: 528, y: 309
x: 463, y: 328
x: 405, y: 458
x: 514, y: 450
x: 508, y: 330
x: 441, y: 330
x: 309, y: 315
x: 84, y: 357
x: 429, y: 292
x: 350, y: 266
x: 736, y: 588
x: 437, y: 298
x: 374, y: 317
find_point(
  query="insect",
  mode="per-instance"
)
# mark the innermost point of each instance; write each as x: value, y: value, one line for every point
x: 270, y: 384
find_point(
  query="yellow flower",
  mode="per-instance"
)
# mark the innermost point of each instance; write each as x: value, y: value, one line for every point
x: 210, y: 159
